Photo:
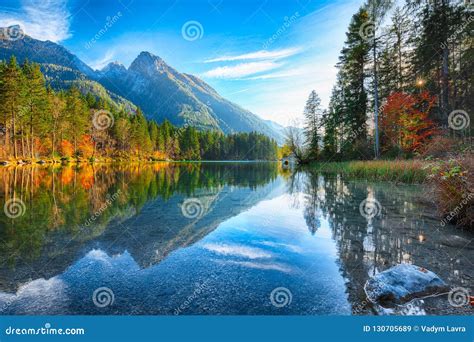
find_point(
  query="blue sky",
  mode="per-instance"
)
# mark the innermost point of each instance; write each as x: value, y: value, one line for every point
x: 265, y: 55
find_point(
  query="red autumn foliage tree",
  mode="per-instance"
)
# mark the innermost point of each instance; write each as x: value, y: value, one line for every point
x: 404, y: 122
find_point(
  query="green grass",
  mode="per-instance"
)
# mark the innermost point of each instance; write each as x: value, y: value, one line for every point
x: 405, y: 171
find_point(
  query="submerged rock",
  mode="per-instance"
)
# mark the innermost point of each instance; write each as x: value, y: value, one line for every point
x: 402, y: 283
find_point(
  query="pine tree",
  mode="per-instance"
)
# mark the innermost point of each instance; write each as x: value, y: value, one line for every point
x: 78, y: 116
x: 54, y: 120
x: 313, y: 115
x: 352, y: 64
x: 35, y: 104
x: 10, y: 103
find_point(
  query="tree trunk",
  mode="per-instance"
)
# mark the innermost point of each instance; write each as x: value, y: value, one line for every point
x: 32, y: 143
x: 376, y: 104
x: 445, y: 83
x: 22, y: 144
x: 53, y: 141
x: 15, y: 152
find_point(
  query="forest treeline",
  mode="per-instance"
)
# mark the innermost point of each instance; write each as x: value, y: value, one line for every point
x: 38, y: 122
x: 405, y: 78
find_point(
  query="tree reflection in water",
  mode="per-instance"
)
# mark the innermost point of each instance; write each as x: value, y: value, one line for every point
x: 405, y: 229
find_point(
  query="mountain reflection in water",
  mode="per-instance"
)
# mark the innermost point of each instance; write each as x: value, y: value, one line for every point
x: 253, y: 228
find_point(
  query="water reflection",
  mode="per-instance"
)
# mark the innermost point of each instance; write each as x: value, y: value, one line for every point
x: 260, y: 228
x: 404, y: 230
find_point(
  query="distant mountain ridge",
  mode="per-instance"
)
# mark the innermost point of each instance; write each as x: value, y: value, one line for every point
x: 159, y: 90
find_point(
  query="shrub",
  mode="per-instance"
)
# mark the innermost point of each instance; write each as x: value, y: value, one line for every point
x: 438, y: 147
x: 453, y: 185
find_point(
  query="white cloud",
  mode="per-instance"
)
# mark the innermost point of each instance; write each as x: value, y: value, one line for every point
x: 261, y: 266
x: 238, y: 250
x: 241, y: 70
x: 290, y: 247
x: 262, y: 54
x: 100, y: 63
x: 40, y: 19
x: 282, y: 74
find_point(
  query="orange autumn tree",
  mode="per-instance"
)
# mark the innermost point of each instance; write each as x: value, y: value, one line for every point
x: 66, y: 148
x: 86, y: 146
x: 404, y: 122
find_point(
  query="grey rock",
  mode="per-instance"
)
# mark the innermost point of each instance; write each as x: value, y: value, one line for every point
x: 402, y: 283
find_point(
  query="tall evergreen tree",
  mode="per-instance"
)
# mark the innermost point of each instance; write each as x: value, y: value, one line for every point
x: 10, y: 103
x: 313, y: 114
x: 35, y: 104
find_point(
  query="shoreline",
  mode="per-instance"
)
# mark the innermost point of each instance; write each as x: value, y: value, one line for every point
x: 42, y: 162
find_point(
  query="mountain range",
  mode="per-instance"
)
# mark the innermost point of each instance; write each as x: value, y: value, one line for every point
x: 150, y: 83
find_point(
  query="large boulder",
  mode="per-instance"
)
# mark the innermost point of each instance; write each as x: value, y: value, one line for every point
x: 402, y: 283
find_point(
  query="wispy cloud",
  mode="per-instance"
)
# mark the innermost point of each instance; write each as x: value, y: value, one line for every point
x: 101, y: 62
x: 238, y: 250
x: 40, y: 19
x: 283, y: 74
x: 239, y: 91
x: 262, y: 54
x: 261, y: 266
x: 242, y: 69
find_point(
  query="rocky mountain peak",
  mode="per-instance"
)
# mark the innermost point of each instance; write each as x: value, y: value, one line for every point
x: 149, y: 63
x: 114, y: 67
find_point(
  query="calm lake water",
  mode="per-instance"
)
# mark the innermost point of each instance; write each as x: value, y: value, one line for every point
x: 213, y: 238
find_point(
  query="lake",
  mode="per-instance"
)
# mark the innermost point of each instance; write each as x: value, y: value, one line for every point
x: 242, y: 238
